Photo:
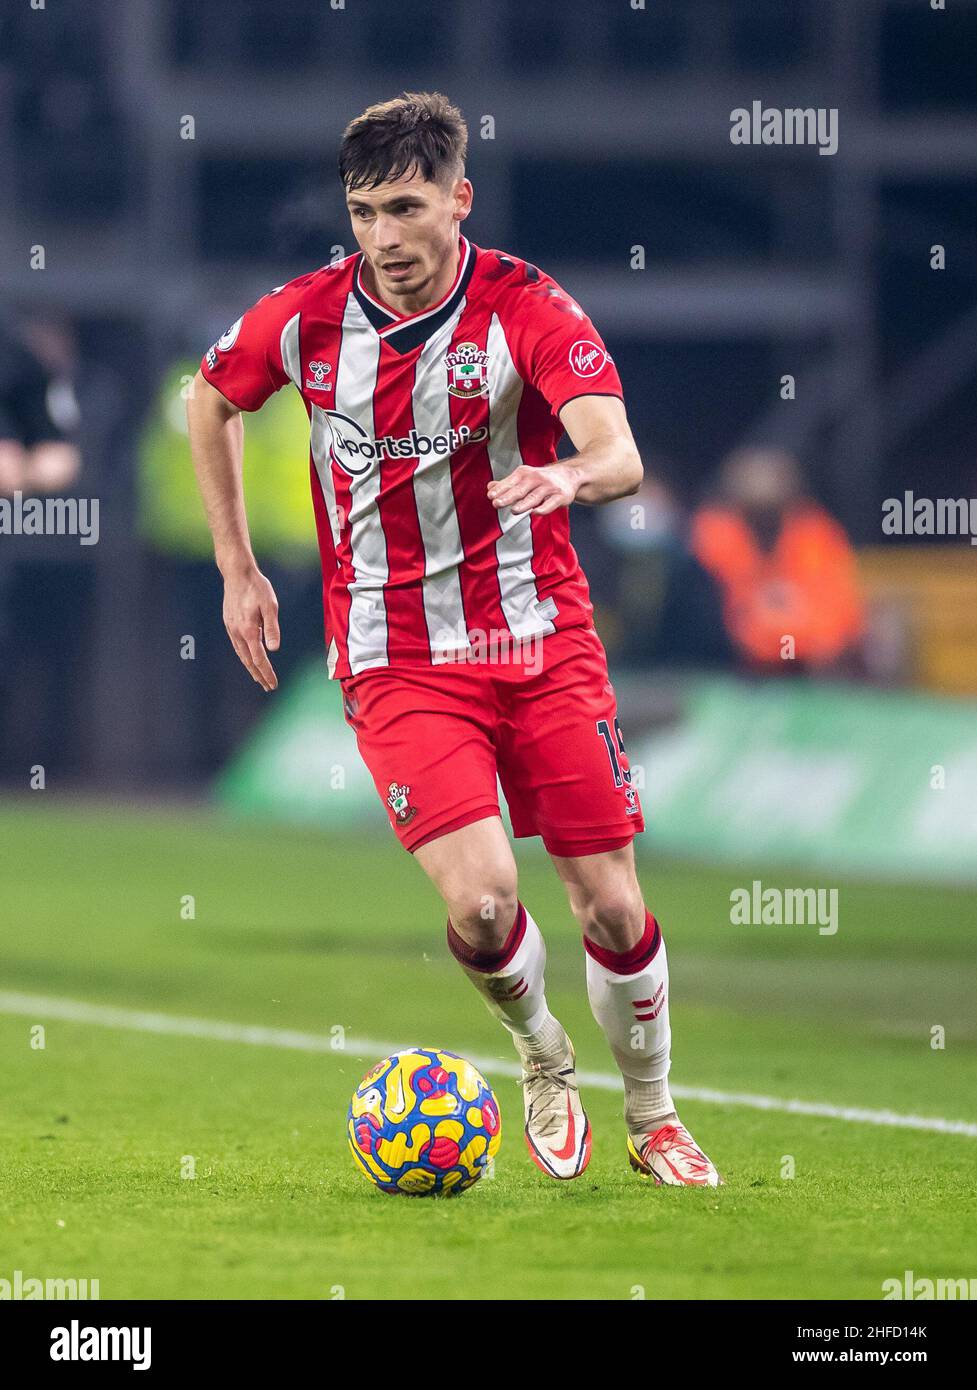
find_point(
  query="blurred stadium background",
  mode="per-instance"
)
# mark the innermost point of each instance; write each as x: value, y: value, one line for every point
x: 712, y: 269
x: 163, y: 163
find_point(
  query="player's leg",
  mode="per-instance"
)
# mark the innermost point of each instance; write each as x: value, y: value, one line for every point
x: 627, y: 983
x: 566, y: 777
x: 500, y: 948
x: 427, y: 738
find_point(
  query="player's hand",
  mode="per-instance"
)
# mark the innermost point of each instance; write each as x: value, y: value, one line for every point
x: 536, y: 490
x: 251, y: 619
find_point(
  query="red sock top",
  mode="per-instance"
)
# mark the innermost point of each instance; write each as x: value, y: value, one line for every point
x: 629, y: 962
x: 489, y: 961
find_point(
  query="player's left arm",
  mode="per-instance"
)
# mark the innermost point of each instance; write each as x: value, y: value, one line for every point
x: 606, y: 465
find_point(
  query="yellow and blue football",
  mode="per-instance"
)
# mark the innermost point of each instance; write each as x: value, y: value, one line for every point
x: 423, y: 1122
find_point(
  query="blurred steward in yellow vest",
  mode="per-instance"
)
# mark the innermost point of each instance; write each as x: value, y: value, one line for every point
x: 276, y: 477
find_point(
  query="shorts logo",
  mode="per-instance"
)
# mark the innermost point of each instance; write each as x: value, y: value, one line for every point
x: 620, y: 767
x: 587, y: 358
x: 317, y: 380
x: 466, y: 371
x: 397, y: 800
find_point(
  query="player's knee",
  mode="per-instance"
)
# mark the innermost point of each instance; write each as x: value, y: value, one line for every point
x: 485, y: 917
x: 613, y: 918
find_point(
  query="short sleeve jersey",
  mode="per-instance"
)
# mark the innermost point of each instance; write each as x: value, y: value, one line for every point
x: 411, y: 417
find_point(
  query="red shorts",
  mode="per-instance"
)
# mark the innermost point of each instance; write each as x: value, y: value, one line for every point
x: 438, y: 739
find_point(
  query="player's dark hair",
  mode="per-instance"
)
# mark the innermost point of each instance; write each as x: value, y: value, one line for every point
x: 415, y: 131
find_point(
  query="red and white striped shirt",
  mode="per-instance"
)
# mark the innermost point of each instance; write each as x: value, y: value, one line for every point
x: 411, y: 418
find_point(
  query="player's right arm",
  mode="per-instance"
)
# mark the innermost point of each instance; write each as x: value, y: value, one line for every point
x: 250, y: 606
x: 238, y: 373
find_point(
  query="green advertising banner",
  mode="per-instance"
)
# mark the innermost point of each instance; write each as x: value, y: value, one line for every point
x: 840, y: 778
x: 302, y: 764
x: 836, y: 777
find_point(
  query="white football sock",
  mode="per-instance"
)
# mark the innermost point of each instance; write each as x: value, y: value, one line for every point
x: 549, y: 1041
x: 511, y: 981
x: 629, y: 997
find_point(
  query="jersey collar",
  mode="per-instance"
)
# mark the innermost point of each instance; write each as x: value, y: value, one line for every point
x: 404, y: 333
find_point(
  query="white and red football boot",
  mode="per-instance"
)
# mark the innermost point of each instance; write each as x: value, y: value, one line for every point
x: 557, y: 1128
x: 668, y: 1153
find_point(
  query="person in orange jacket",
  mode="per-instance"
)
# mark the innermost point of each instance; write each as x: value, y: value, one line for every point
x: 785, y: 567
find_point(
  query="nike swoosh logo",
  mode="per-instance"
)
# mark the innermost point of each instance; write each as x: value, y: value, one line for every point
x: 569, y: 1148
x: 400, y: 1104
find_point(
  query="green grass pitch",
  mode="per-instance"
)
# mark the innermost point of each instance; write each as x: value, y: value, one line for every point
x: 295, y: 930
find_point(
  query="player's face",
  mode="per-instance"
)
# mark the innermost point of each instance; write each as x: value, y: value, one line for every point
x: 408, y: 230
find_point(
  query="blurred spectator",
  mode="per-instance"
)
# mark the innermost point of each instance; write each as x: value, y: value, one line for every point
x: 38, y: 410
x: 44, y: 606
x: 664, y: 607
x: 277, y: 481
x: 791, y: 597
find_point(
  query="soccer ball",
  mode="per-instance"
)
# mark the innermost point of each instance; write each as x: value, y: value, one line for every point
x: 422, y: 1122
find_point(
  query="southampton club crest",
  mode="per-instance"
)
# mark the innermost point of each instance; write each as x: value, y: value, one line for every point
x: 466, y: 366
x: 397, y: 800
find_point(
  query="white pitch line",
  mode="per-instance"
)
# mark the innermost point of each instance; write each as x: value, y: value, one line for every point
x: 41, y: 1007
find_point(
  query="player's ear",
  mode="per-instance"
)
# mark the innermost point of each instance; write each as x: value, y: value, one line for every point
x: 463, y: 194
